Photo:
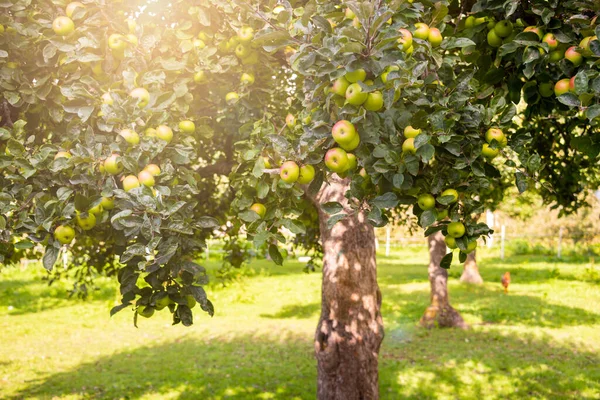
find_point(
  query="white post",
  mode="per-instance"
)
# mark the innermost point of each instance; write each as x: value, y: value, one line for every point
x: 502, y: 237
x: 560, y: 233
x: 489, y: 217
x: 207, y: 251
x: 388, y: 231
x: 376, y: 243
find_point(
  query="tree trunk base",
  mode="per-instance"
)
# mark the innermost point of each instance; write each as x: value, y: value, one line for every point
x: 442, y: 317
x: 471, y: 276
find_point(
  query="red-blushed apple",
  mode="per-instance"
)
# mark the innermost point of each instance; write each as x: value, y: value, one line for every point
x: 112, y: 165
x: 339, y: 86
x: 153, y: 169
x: 408, y: 146
x: 456, y: 229
x: 344, y: 132
x: 435, y: 37
x: 290, y: 121
x: 146, y: 178
x: 130, y: 182
x: 421, y: 31
x: 307, y: 174
x: 561, y: 87
x: 574, y: 56
x: 550, y: 40
x: 336, y: 159
x: 572, y: 84
x: 259, y: 208
x: 406, y: 39
x: 165, y: 133
x: 289, y: 172
x: 64, y: 234
x: 355, y: 95
x: 538, y: 31
x: 496, y: 134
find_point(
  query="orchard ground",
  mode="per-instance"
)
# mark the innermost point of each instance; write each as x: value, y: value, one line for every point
x: 539, y: 341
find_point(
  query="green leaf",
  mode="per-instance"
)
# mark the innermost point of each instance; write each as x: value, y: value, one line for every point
x: 207, y: 222
x: 457, y: 42
x: 462, y: 257
x: 446, y: 261
x: 593, y: 112
x: 249, y: 216
x: 50, y: 257
x: 569, y: 99
x: 387, y: 200
x: 335, y: 219
x: 521, y: 181
x: 275, y: 254
x: 294, y: 226
x: 427, y: 218
x: 332, y: 208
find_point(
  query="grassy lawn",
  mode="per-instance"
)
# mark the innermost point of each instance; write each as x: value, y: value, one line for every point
x: 542, y: 340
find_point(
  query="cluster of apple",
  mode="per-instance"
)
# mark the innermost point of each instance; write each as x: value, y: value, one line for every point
x: 86, y: 221
x: 338, y: 159
x: 423, y: 32
x: 498, y: 33
x: 408, y: 146
x: 64, y: 26
x: 163, y: 301
x: 347, y: 87
x: 493, y: 134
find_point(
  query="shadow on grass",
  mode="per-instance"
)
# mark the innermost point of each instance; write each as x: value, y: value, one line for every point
x: 423, y: 364
x: 296, y: 311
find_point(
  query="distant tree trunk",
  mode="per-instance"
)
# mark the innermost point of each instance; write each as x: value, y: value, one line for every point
x: 350, y: 328
x: 471, y: 271
x: 440, y: 313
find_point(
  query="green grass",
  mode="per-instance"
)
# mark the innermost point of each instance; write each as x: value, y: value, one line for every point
x: 540, y: 341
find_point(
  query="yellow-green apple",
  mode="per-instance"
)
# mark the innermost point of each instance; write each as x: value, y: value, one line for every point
x: 165, y: 133
x: 153, y: 169
x: 352, y: 145
x: 247, y: 79
x: 187, y: 126
x: 107, y: 99
x: 374, y: 101
x: 146, y: 178
x: 290, y: 120
x: 450, y: 242
x: 289, y: 172
x: 64, y: 234
x: 538, y: 31
x: 200, y: 76
x: 344, y: 132
x: 246, y: 34
x: 426, y: 201
x: 62, y: 154
x: 406, y: 39
x: 574, y: 56
x: 352, y: 162
x: 408, y: 146
x: 145, y: 311
x: 108, y: 203
x: 307, y: 174
x: 450, y: 192
x: 130, y: 136
x: 339, y: 86
x: 496, y: 134
x: 546, y: 89
x: 150, y: 132
x: 561, y: 87
x: 232, y: 97
x: 470, y: 22
x: 191, y: 301
x: 493, y: 39
x: 410, y: 132
x: 86, y: 222
x: 503, y: 28
x: 456, y: 229
x: 336, y: 159
x: 435, y: 37
x: 112, y: 165
x: 242, y: 51
x: 130, y: 182
x: 199, y: 44
x: 142, y: 96
x: 421, y: 31
x: 355, y: 95
x: 132, y: 39
x: 488, y: 152
x: 267, y: 162
x: 97, y: 209
x: 556, y: 55
x: 70, y: 9
x: 63, y: 26
x: 585, y: 45
x: 550, y: 40
x: 471, y: 246
x: 117, y: 42
x: 355, y: 76
x: 389, y: 69
x: 442, y: 214
x: 259, y: 208
x: 163, y: 302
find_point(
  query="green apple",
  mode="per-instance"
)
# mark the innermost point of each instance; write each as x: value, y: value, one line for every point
x: 450, y: 192
x: 336, y: 159
x: 426, y: 201
x: 339, y: 86
x: 191, y: 301
x: 498, y: 135
x: 406, y: 39
x: 247, y: 79
x: 442, y: 214
x: 421, y: 31
x: 200, y: 77
x: 387, y: 71
x: 242, y: 51
x: 410, y: 132
x: 64, y: 234
x: 63, y: 26
x: 153, y: 169
x: 352, y: 162
x: 488, y: 152
x: 450, y: 242
x: 232, y: 98
x: 561, y: 87
x: 246, y: 34
x: 470, y: 22
x: 117, y: 42
x: 493, y: 39
x: 112, y: 165
x: 130, y: 182
x: 163, y: 302
x: 550, y: 40
x: 142, y: 96
x: 456, y: 229
x: 289, y: 172
x: 70, y: 9
x: 107, y: 203
x: 536, y: 30
x: 556, y: 55
x: 435, y: 37
x: 355, y: 95
x: 150, y: 132
x: 344, y: 132
x: 352, y: 145
x: 585, y: 45
x: 408, y: 146
x: 290, y: 121
x: 355, y: 76
x: 146, y: 178
x: 187, y: 126
x: 503, y: 28
x: 546, y: 89
x: 130, y: 136
x: 267, y: 162
x: 145, y: 311
x: 252, y: 59
x: 86, y: 223
x: 165, y: 133
x: 471, y: 246
x: 259, y: 208
x: 62, y: 154
x: 574, y: 56
x: 374, y: 101
x: 307, y: 174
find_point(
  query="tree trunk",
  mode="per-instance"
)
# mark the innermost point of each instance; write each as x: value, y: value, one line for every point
x: 440, y: 313
x: 471, y: 271
x: 350, y: 328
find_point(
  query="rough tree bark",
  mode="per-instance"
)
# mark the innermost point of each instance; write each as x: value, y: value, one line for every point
x: 439, y: 313
x: 350, y: 328
x: 471, y: 271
